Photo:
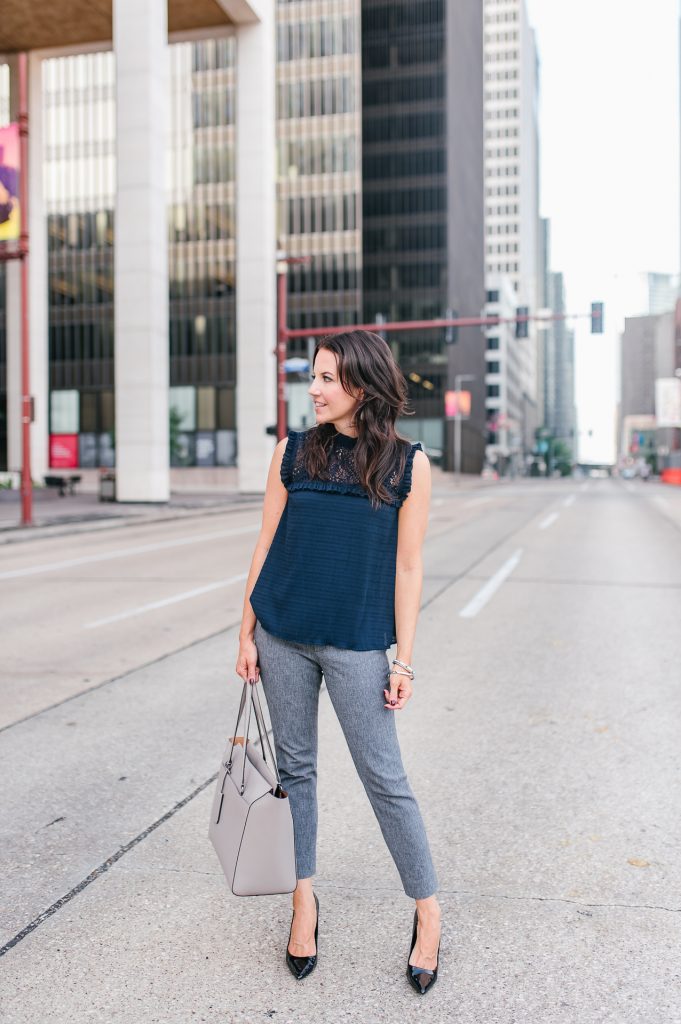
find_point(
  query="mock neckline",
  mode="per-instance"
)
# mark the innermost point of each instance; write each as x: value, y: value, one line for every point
x: 343, y: 439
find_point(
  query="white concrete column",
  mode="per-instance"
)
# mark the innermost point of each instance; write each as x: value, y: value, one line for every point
x: 141, y: 251
x: 256, y: 247
x: 38, y: 292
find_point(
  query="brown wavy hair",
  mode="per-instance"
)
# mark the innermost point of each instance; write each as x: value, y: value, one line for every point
x: 365, y: 361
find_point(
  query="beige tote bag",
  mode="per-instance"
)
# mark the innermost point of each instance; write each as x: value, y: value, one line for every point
x: 251, y: 827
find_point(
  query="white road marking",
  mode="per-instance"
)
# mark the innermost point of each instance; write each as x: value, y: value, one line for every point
x: 143, y: 549
x: 477, y: 501
x: 489, y: 588
x: 569, y: 500
x: 550, y: 519
x: 153, y: 605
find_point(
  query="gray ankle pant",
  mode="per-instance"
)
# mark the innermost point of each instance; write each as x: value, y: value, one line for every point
x: 291, y: 675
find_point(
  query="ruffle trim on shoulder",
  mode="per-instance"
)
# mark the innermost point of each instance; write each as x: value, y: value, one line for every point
x: 405, y: 483
x: 288, y: 457
x: 334, y: 486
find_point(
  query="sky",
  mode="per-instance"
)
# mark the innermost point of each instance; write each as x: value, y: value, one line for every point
x: 609, y: 174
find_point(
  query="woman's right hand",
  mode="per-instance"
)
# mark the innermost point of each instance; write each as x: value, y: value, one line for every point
x: 247, y: 661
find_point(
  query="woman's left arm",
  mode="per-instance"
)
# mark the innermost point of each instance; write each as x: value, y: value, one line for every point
x: 411, y: 529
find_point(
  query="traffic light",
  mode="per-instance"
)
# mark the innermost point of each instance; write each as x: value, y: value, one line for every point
x: 596, y: 317
x: 521, y: 325
x: 451, y: 333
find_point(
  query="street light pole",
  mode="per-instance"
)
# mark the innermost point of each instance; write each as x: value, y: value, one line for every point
x: 282, y: 296
x: 26, y: 404
x: 283, y: 334
x: 458, y: 380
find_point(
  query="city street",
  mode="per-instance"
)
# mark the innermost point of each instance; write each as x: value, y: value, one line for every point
x: 542, y: 743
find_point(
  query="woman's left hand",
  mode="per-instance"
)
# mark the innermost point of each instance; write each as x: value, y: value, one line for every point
x: 399, y: 693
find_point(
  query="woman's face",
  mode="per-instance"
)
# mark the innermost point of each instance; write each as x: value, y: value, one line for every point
x: 331, y: 403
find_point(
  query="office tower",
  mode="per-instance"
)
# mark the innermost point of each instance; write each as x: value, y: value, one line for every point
x: 559, y: 375
x: 504, y: 401
x: 512, y: 231
x: 423, y: 202
x: 319, y: 174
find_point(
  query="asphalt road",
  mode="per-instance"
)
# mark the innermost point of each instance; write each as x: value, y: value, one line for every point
x: 542, y: 744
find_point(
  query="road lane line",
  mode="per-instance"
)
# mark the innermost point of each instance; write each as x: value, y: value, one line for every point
x: 569, y: 500
x: 549, y: 521
x: 490, y: 588
x: 143, y: 549
x: 477, y: 501
x: 153, y: 605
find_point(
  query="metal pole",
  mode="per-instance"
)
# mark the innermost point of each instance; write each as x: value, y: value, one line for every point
x: 283, y: 334
x: 459, y: 378
x: 26, y: 483
x: 282, y: 295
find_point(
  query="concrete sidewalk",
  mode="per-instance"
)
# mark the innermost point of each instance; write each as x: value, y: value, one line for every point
x: 53, y: 515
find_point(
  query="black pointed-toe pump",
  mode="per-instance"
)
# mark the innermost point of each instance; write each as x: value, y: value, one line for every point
x: 420, y: 978
x: 301, y: 966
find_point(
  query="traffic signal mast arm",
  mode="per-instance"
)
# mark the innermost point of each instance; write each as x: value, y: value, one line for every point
x: 411, y: 325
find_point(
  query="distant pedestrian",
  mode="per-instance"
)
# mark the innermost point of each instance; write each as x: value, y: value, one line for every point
x: 336, y: 580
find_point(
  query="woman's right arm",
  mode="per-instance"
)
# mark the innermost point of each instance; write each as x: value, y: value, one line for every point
x: 274, y: 503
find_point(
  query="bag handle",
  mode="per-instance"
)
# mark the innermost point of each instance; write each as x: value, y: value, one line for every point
x: 243, y: 766
x: 262, y: 729
x: 253, y: 703
x: 260, y: 723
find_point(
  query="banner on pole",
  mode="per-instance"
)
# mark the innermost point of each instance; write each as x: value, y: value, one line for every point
x: 668, y: 401
x: 10, y: 225
x: 457, y: 403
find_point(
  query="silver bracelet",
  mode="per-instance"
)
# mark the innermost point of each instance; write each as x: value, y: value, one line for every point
x: 398, y: 672
x: 396, y: 661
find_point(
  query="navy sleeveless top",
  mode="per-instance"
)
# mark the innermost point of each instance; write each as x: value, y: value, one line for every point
x: 329, y: 574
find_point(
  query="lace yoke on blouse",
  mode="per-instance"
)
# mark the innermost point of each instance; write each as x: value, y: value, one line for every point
x: 340, y: 475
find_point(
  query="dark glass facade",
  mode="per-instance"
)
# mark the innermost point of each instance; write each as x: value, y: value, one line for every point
x: 319, y: 174
x: 202, y: 255
x: 79, y: 181
x: 413, y: 190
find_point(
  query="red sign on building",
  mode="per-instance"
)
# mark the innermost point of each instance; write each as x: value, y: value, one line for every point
x: 63, y: 451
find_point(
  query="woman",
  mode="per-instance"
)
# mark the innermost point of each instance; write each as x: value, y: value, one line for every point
x: 335, y: 580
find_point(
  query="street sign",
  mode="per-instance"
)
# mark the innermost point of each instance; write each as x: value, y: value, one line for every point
x: 296, y: 364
